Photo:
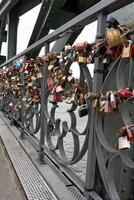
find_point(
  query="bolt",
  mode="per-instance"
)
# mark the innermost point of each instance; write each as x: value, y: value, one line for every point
x: 125, y: 170
x: 123, y: 190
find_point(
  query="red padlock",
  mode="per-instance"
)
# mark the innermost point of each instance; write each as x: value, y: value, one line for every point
x: 126, y: 93
x: 130, y: 134
x: 80, y: 46
x: 132, y: 50
x: 21, y: 69
x: 117, y: 53
x: 50, y: 84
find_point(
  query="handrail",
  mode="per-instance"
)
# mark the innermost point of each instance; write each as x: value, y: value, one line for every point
x: 76, y: 23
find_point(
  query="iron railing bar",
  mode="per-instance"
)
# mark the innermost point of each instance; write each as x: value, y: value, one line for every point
x: 76, y: 23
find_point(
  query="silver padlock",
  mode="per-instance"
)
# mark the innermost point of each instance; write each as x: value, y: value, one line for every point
x: 112, y: 100
x: 123, y: 143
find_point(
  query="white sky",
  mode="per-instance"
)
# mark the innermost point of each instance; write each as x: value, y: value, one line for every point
x: 26, y: 24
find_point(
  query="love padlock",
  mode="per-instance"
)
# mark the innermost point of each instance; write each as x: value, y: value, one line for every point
x: 108, y: 108
x: 113, y: 100
x: 130, y: 133
x: 83, y: 111
x: 126, y: 52
x: 125, y: 93
x: 123, y: 143
x: 80, y: 46
x: 82, y: 59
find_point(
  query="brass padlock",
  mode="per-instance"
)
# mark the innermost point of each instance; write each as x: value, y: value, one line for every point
x: 51, y: 98
x: 33, y: 78
x: 126, y: 52
x: 113, y: 38
x: 82, y: 59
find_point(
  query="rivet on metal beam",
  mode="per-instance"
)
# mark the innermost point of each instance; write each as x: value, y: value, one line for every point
x: 123, y: 190
x: 125, y: 170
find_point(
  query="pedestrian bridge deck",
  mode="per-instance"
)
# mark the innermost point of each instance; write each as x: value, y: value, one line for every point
x: 33, y: 184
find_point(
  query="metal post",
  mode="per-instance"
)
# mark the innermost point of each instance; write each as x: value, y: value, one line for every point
x: 22, y: 134
x: 43, y: 128
x: 12, y: 33
x: 97, y: 82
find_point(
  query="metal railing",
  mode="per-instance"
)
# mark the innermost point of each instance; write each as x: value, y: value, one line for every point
x: 102, y: 158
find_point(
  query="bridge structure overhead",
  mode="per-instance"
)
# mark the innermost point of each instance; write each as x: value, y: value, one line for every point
x: 51, y: 15
x: 108, y: 171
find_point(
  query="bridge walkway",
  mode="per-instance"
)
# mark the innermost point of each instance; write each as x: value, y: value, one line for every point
x: 19, y: 177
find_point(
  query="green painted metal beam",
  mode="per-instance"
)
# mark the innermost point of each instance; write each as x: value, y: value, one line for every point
x: 41, y: 21
x: 54, y: 18
x: 2, y: 31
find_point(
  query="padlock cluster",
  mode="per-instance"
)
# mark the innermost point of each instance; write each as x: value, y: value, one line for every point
x: 109, y: 102
x: 61, y: 84
x: 22, y: 82
x: 11, y: 87
x: 32, y: 71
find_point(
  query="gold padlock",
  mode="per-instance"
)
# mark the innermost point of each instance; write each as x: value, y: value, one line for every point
x: 126, y: 52
x: 113, y: 38
x: 33, y: 78
x: 82, y: 59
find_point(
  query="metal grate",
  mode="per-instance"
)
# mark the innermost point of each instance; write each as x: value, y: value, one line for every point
x: 33, y: 184
x: 76, y: 193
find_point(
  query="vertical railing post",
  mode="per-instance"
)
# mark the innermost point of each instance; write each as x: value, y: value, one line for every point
x: 97, y: 83
x: 43, y: 119
x: 22, y: 133
x: 13, y: 21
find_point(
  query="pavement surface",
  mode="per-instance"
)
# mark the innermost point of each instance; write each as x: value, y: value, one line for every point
x: 10, y: 188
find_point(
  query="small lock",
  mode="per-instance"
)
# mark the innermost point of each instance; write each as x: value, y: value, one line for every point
x: 101, y: 105
x: 73, y: 97
x: 50, y: 67
x: 83, y: 111
x: 68, y: 100
x: 58, y: 98
x: 24, y: 99
x: 52, y: 75
x: 30, y: 84
x: 113, y: 100
x: 36, y: 98
x: 80, y: 99
x: 51, y: 126
x: 113, y: 38
x: 72, y: 54
x: 80, y: 46
x: 51, y: 98
x: 82, y: 59
x: 126, y: 52
x: 62, y: 80
x: 11, y: 104
x: 108, y: 108
x: 59, y: 89
x: 126, y: 93
x: 95, y: 103
x: 70, y: 78
x: 33, y: 78
x: 130, y: 134
x: 123, y: 143
x: 39, y: 75
x: 89, y: 59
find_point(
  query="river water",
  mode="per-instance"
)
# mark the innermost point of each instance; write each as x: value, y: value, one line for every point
x: 61, y: 112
